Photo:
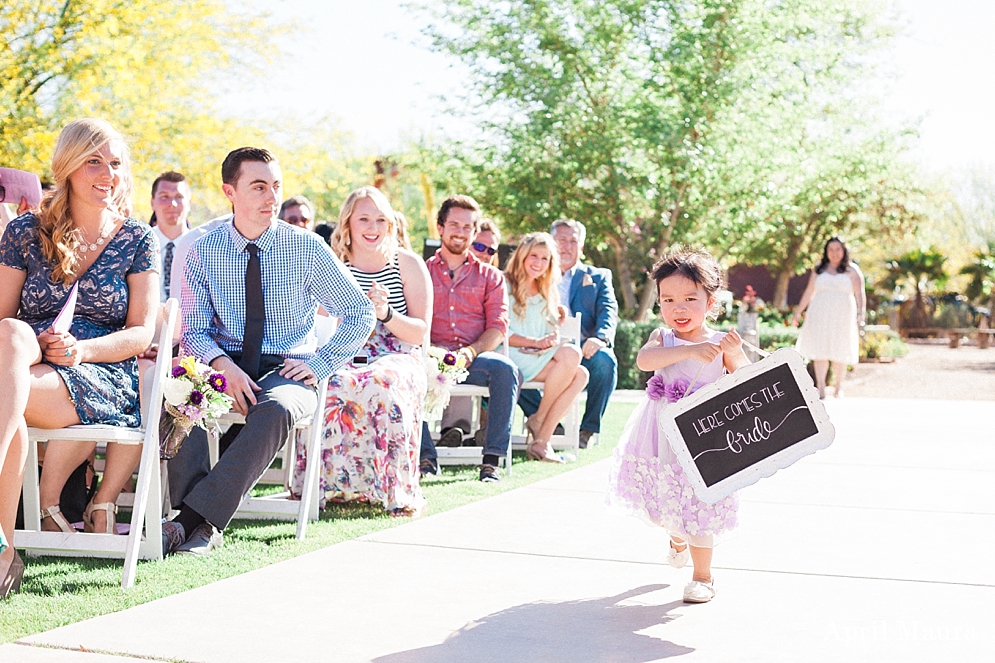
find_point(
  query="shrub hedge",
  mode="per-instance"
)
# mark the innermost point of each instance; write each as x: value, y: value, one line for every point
x: 632, y: 335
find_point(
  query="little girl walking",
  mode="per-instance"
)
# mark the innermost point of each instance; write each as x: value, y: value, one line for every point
x: 646, y: 478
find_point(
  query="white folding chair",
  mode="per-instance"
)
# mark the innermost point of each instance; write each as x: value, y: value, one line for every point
x: 148, y: 489
x: 282, y: 506
x: 569, y: 330
x: 466, y: 455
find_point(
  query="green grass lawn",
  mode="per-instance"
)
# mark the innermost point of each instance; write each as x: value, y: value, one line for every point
x: 61, y: 590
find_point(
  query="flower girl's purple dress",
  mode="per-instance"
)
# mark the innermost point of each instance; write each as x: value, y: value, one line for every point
x: 646, y: 478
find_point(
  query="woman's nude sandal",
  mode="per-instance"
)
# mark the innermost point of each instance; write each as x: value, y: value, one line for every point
x: 55, y: 513
x: 110, y: 508
x: 540, y: 450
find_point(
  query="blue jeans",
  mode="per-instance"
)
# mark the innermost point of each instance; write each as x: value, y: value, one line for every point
x: 502, y: 377
x: 603, y: 368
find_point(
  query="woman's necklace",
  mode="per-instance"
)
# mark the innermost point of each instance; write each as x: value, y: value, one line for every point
x: 93, y: 246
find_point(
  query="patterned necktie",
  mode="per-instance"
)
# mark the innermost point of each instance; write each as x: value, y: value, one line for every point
x: 167, y: 267
x: 255, y: 315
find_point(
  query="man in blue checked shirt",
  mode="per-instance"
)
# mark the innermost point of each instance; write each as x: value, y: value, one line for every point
x: 254, y: 288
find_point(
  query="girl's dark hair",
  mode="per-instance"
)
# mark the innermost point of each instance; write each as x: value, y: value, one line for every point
x: 844, y: 264
x: 694, y: 264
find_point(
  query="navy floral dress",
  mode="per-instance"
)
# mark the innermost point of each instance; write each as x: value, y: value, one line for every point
x: 102, y: 393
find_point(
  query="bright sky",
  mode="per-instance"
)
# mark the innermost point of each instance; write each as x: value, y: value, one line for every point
x: 365, y: 62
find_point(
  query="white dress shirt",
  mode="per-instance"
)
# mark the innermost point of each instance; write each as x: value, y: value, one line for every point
x: 164, y: 244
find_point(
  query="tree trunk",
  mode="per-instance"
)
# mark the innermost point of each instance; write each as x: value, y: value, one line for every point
x: 784, y: 276
x: 624, y: 274
x: 648, y: 297
x: 781, y: 289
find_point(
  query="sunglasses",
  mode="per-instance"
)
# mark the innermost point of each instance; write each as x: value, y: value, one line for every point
x: 482, y: 248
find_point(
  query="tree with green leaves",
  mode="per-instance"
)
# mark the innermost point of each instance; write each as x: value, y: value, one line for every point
x: 150, y: 67
x: 981, y: 288
x: 923, y: 269
x: 657, y: 121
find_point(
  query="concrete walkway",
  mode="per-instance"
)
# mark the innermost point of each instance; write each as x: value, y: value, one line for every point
x: 876, y: 549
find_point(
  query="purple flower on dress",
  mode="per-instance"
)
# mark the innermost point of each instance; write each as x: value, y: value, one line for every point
x: 449, y: 359
x: 196, y: 397
x: 676, y: 390
x: 656, y: 388
x: 179, y: 371
x: 218, y: 381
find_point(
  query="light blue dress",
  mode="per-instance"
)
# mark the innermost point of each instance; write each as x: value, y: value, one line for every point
x: 536, y: 323
x: 104, y: 393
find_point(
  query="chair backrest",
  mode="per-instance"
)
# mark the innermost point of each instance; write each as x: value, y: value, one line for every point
x: 570, y: 329
x: 154, y: 383
x: 324, y: 327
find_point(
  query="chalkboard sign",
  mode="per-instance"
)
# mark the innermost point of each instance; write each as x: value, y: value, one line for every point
x: 747, y: 425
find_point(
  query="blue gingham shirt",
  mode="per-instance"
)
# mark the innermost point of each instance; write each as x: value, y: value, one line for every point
x: 299, y: 272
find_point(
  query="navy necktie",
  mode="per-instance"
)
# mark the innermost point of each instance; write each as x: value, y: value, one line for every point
x: 167, y: 267
x: 255, y: 315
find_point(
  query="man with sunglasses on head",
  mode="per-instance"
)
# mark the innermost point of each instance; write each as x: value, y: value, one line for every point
x: 485, y: 244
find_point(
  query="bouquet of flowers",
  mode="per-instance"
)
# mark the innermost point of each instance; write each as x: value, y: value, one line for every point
x: 194, y: 393
x: 443, y: 369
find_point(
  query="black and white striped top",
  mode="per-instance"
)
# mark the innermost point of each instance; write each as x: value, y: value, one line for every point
x: 390, y: 278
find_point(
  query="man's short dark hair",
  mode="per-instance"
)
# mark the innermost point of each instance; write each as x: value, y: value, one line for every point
x: 297, y: 201
x: 231, y: 169
x: 461, y: 202
x: 168, y: 176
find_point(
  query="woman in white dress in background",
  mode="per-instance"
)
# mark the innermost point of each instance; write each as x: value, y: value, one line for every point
x: 836, y: 308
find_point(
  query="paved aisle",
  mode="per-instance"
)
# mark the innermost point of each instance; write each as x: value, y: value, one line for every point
x: 877, y: 549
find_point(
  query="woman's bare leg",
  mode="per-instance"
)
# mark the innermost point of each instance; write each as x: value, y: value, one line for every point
x: 25, y: 387
x: 11, y: 475
x: 839, y: 372
x: 821, y: 368
x: 556, y: 377
x: 562, y: 403
x: 122, y: 459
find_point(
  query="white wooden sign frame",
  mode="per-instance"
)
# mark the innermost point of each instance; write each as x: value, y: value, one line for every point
x: 769, y: 465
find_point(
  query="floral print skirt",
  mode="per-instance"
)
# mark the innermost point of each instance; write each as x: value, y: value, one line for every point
x: 646, y: 480
x: 372, y: 435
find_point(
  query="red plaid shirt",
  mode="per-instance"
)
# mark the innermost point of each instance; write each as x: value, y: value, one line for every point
x: 467, y: 307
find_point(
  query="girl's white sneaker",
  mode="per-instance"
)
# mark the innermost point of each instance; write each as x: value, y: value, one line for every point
x: 699, y: 592
x: 678, y: 559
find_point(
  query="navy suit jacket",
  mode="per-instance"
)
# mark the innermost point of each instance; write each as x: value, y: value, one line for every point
x: 593, y: 296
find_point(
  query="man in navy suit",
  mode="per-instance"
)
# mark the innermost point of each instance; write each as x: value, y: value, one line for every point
x: 586, y: 290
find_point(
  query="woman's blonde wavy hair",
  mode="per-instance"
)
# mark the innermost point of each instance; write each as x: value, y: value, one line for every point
x: 547, y: 282
x: 341, y: 240
x: 56, y: 228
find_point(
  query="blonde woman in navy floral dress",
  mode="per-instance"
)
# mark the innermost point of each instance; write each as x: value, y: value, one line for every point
x: 646, y: 478
x: 81, y: 236
x: 373, y: 411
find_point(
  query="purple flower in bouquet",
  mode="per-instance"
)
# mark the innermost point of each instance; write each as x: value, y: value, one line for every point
x: 656, y: 388
x: 179, y: 371
x: 218, y: 381
x: 449, y: 359
x: 196, y: 397
x: 676, y: 390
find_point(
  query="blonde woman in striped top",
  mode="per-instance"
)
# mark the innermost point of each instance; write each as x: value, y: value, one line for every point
x: 373, y: 414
